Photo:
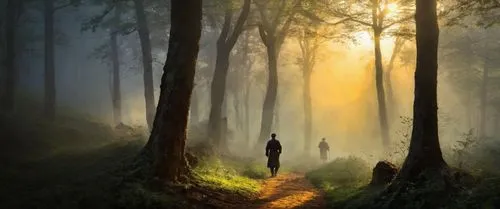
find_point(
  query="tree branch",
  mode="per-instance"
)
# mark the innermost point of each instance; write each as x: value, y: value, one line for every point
x: 351, y: 18
x: 240, y: 23
x: 263, y: 34
x: 263, y: 17
x: 225, y: 27
x: 409, y: 17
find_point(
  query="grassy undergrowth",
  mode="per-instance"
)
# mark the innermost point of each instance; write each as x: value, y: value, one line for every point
x: 341, y: 179
x: 227, y: 175
x: 77, y: 163
x: 345, y: 183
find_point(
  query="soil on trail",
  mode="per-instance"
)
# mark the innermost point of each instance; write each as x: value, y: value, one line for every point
x: 284, y: 191
x: 288, y: 191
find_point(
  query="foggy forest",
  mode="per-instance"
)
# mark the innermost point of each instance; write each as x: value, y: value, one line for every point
x: 156, y: 104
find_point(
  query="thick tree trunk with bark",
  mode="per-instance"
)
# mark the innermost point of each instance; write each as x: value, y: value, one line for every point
x: 484, y: 99
x: 116, y: 90
x: 13, y: 12
x: 379, y: 82
x: 271, y: 93
x: 50, y: 74
x: 147, y: 61
x: 425, y: 152
x: 168, y: 137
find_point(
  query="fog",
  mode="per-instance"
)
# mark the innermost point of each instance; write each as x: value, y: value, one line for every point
x: 343, y: 93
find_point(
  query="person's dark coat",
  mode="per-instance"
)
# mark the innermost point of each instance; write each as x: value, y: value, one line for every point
x: 273, y: 151
x: 323, y: 148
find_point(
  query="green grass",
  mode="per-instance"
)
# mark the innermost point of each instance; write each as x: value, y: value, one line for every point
x: 340, y: 172
x: 216, y: 174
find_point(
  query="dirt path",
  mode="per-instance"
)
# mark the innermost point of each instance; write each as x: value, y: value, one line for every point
x: 288, y: 191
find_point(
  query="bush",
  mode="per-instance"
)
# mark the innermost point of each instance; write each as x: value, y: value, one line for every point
x: 341, y: 172
x: 255, y: 171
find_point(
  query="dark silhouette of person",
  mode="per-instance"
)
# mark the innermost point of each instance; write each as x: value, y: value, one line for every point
x: 323, y: 149
x: 273, y: 151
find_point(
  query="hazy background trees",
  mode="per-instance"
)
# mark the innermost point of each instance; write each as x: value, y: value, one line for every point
x: 303, y: 69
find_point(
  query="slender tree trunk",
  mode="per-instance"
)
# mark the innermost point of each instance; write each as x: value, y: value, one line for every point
x: 271, y: 93
x: 484, y: 100
x: 168, y: 137
x: 307, y: 110
x: 277, y: 108
x: 382, y: 109
x: 50, y: 74
x: 116, y: 94
x: 13, y: 12
x: 218, y: 92
x: 247, y: 112
x: 225, y: 44
x: 425, y: 152
x: 393, y: 107
x: 147, y: 61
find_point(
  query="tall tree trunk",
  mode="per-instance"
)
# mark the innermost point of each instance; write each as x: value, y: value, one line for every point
x: 218, y: 92
x: 168, y: 137
x: 246, y: 123
x: 307, y: 110
x: 276, y: 124
x: 13, y: 12
x: 484, y: 99
x: 147, y: 61
x: 50, y: 74
x: 382, y: 109
x: 271, y: 92
x: 116, y: 94
x: 425, y: 152
x: 225, y: 44
x: 393, y: 107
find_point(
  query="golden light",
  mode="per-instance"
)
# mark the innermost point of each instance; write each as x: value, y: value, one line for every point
x: 364, y: 39
x: 392, y: 7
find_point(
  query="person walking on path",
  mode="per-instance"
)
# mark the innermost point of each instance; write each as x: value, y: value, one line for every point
x: 273, y: 151
x: 323, y: 150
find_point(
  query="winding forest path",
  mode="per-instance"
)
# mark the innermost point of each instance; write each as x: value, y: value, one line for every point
x: 290, y: 190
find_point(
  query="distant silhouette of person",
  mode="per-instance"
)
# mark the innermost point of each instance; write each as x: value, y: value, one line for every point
x: 323, y: 150
x: 273, y: 151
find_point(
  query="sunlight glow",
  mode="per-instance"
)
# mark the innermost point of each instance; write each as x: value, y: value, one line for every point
x: 392, y: 7
x: 363, y: 39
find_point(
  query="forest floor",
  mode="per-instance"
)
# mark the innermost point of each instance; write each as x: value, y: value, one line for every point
x: 289, y: 190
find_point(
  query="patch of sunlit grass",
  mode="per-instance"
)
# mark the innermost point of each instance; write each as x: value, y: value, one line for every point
x: 216, y: 174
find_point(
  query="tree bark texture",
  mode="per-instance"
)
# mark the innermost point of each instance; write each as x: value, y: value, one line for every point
x: 271, y: 93
x: 425, y: 152
x: 168, y: 137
